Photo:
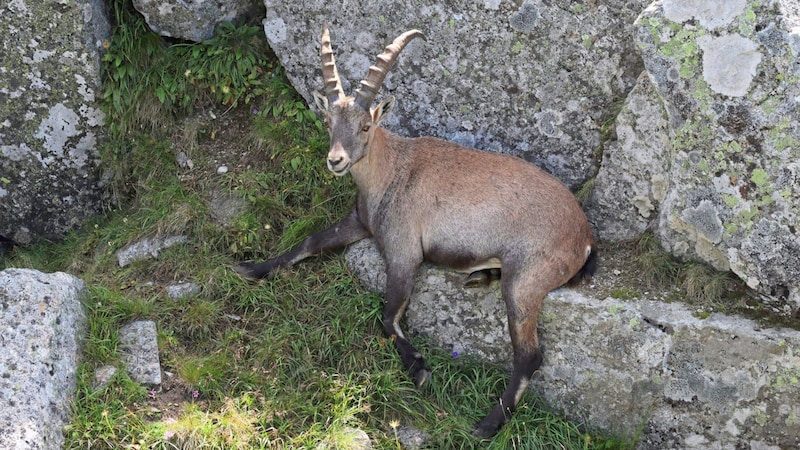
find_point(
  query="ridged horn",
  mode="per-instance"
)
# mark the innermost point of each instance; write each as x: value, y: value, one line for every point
x: 330, y: 76
x: 370, y: 85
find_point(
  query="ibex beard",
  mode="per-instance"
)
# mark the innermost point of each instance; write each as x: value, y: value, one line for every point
x: 427, y: 199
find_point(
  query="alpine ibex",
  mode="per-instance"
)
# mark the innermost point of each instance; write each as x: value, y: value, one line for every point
x: 427, y: 199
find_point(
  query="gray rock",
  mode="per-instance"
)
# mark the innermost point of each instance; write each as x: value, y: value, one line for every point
x: 50, y: 122
x: 533, y: 78
x: 349, y: 438
x: 183, y: 290
x: 412, y: 438
x: 43, y: 325
x: 139, y: 352
x: 727, y: 76
x: 103, y: 376
x: 147, y: 248
x: 722, y: 382
x: 194, y: 20
x: 634, y: 177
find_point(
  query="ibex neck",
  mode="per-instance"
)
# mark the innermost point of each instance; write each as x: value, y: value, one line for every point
x: 375, y: 171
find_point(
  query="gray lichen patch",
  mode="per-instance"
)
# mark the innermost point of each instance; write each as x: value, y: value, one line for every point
x: 705, y: 219
x: 709, y: 14
x: 729, y: 63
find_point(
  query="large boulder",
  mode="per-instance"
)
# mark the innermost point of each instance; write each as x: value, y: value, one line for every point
x: 43, y: 326
x: 534, y: 78
x: 194, y: 20
x: 708, y: 148
x: 629, y: 367
x: 50, y: 123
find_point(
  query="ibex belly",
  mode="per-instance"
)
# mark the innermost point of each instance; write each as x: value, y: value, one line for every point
x: 461, y: 259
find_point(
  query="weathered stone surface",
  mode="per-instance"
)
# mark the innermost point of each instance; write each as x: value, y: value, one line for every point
x: 634, y: 177
x: 721, y: 382
x: 43, y: 324
x: 50, y: 124
x: 102, y: 376
x: 533, y: 78
x: 194, y: 20
x: 411, y: 438
x: 727, y: 75
x: 139, y: 352
x: 147, y: 248
x: 182, y: 290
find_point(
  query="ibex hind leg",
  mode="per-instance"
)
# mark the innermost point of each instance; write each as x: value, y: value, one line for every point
x: 523, y: 300
x: 345, y: 232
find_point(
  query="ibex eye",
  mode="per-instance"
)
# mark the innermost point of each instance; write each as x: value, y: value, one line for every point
x: 365, y: 129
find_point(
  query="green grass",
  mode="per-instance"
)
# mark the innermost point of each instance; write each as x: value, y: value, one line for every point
x: 292, y: 362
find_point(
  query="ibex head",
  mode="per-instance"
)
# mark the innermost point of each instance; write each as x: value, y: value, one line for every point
x: 350, y: 120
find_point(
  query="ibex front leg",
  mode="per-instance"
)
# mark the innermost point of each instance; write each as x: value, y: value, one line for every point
x: 399, y: 284
x: 349, y: 230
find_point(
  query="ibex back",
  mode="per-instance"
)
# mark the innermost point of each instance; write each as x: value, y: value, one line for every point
x: 427, y: 199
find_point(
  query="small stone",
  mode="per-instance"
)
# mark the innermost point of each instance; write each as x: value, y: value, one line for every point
x: 183, y: 290
x: 102, y: 376
x: 412, y: 438
x: 147, y: 248
x: 222, y: 169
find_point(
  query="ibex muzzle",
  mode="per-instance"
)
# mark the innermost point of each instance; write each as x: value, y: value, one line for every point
x: 426, y: 199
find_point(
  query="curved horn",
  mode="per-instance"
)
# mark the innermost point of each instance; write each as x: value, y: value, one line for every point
x: 377, y: 73
x: 330, y: 76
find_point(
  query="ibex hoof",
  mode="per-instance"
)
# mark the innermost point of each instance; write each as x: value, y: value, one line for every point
x: 485, y: 429
x: 246, y: 271
x: 421, y: 377
x: 481, y: 278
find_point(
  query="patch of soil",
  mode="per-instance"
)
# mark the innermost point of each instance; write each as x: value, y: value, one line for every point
x: 168, y: 402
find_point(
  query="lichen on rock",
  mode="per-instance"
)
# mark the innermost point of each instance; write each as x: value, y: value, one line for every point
x: 50, y: 123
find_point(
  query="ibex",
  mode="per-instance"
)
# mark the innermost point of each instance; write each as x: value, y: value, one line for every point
x: 426, y: 199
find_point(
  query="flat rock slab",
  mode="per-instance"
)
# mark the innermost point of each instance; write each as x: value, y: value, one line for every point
x: 42, y: 325
x: 147, y: 248
x: 139, y: 352
x: 685, y: 382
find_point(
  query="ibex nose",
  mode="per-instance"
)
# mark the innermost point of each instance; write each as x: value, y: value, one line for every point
x: 334, y: 162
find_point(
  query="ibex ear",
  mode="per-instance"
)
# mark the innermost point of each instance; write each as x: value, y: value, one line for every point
x: 321, y: 101
x: 381, y: 112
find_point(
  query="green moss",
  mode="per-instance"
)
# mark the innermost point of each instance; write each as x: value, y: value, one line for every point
x: 730, y: 200
x: 702, y: 315
x: 625, y: 294
x: 759, y: 177
x: 745, y: 216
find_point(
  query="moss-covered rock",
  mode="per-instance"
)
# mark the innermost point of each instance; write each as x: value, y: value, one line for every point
x: 727, y: 147
x: 50, y: 123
